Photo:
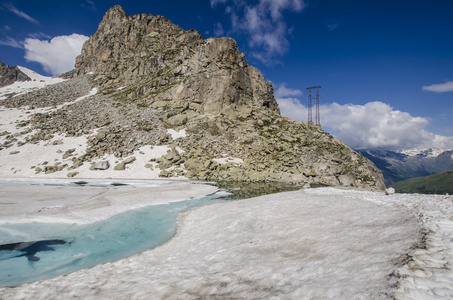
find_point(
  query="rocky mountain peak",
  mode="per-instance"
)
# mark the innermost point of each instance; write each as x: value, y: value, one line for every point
x: 115, y: 14
x: 9, y: 75
x: 153, y: 85
x: 159, y: 60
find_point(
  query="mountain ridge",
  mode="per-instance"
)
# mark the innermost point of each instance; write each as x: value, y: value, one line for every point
x: 162, y: 88
x: 440, y: 183
x: 398, y: 165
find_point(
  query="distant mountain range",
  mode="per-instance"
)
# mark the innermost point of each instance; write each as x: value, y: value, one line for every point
x: 404, y: 164
x: 440, y: 183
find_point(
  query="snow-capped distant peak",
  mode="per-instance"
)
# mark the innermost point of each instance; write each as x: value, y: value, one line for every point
x: 430, y: 152
x: 21, y: 87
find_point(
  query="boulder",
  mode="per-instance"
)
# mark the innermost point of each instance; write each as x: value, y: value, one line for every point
x: 347, y: 180
x: 122, y: 165
x: 101, y: 165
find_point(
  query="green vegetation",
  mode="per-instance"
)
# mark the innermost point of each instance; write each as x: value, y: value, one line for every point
x: 440, y: 183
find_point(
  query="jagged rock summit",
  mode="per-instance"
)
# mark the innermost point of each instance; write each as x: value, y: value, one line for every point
x: 158, y: 61
x: 9, y: 75
x: 197, y: 101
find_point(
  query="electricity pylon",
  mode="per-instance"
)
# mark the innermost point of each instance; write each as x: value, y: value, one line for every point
x: 310, y: 105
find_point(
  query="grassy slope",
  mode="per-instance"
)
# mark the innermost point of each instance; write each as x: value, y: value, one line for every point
x: 440, y: 183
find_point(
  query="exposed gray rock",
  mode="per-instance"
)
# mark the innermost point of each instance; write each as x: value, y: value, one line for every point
x: 166, y: 67
x: 129, y: 160
x: 346, y: 180
x: 9, y: 75
x: 68, y: 153
x: 122, y: 165
x: 101, y: 165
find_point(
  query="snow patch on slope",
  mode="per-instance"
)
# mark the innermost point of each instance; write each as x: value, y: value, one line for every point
x: 228, y: 160
x: 37, y: 82
x: 177, y: 134
x: 31, y: 159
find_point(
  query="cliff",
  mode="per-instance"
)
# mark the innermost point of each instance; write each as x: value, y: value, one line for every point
x: 158, y: 61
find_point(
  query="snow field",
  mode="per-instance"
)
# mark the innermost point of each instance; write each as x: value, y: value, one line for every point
x: 310, y: 244
x: 428, y: 274
x: 37, y: 82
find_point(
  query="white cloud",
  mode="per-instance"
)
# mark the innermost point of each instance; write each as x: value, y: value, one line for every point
x: 38, y: 35
x: 375, y: 125
x: 440, y: 88
x: 215, y: 2
x: 89, y: 4
x: 283, y: 91
x: 292, y: 108
x: 218, y: 29
x: 57, y: 55
x: 263, y: 24
x: 9, y: 41
x: 9, y: 6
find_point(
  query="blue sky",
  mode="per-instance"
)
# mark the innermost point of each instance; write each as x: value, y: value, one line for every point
x: 386, y: 67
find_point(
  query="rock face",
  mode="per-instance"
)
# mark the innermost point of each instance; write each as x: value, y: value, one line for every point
x: 156, y: 79
x: 9, y: 75
x: 162, y: 65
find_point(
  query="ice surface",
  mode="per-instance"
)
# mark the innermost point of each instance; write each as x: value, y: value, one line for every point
x: 62, y: 201
x: 314, y: 244
x: 86, y: 245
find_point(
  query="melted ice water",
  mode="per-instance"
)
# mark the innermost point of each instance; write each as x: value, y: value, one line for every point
x: 87, y: 245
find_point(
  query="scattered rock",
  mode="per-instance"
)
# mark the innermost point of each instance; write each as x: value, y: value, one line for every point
x: 122, y: 165
x: 102, y: 165
x: 129, y: 160
x: 68, y: 153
